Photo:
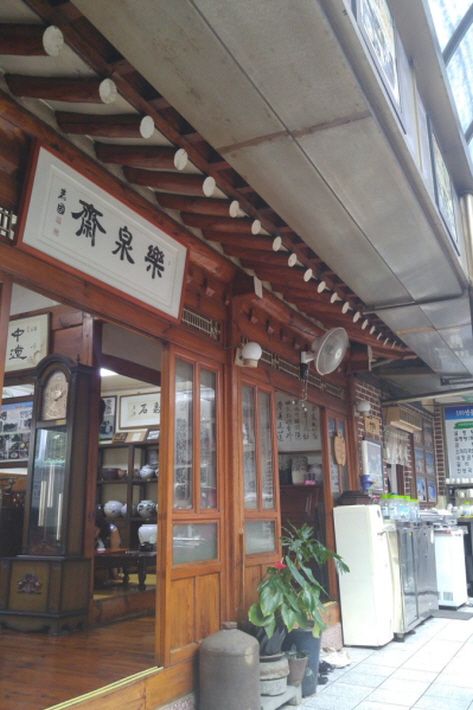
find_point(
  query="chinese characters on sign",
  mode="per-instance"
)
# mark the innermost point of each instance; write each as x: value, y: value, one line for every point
x: 297, y: 424
x: 27, y: 342
x: 140, y: 410
x: 74, y: 221
x: 459, y: 437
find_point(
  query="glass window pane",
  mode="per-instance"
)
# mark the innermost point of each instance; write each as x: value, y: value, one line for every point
x: 459, y: 71
x: 208, y: 440
x: 47, y: 498
x: 249, y: 447
x: 447, y: 15
x: 194, y: 543
x: 266, y: 450
x: 183, y: 454
x: 260, y: 536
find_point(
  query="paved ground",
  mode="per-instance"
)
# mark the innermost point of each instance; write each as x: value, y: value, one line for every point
x: 432, y: 669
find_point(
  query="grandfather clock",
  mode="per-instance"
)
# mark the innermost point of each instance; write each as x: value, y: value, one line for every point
x: 47, y: 587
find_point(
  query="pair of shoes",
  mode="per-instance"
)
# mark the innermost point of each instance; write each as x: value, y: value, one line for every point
x: 325, y: 667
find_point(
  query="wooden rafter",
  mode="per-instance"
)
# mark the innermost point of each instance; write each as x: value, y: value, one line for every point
x: 127, y: 125
x: 96, y: 51
x: 84, y: 90
x: 181, y: 183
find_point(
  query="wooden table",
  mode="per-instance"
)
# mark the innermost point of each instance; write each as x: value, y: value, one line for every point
x: 126, y: 559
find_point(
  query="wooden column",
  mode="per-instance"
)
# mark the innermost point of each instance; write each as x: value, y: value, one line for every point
x: 5, y: 300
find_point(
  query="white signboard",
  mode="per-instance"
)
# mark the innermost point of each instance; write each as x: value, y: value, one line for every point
x: 140, y: 410
x: 73, y: 220
x: 458, y: 423
x: 297, y: 424
x: 27, y: 342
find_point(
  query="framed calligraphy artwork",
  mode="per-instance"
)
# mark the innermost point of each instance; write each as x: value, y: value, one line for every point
x: 70, y: 219
x: 107, y: 426
x: 27, y: 342
x: 138, y: 411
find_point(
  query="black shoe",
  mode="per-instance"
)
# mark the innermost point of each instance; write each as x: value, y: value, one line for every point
x: 325, y: 667
x: 322, y: 680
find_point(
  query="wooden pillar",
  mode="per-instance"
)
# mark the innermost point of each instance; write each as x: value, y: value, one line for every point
x: 5, y: 300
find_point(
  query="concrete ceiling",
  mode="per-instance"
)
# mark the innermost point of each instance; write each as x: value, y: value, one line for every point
x: 267, y: 83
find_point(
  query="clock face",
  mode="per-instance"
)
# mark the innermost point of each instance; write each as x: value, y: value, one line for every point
x: 54, y: 405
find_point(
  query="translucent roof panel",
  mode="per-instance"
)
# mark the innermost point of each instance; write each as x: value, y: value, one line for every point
x: 447, y: 15
x: 460, y: 75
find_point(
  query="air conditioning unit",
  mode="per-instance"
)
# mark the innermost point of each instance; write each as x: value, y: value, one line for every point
x: 403, y: 418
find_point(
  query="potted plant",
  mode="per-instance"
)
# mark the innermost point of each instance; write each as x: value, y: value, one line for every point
x: 290, y: 598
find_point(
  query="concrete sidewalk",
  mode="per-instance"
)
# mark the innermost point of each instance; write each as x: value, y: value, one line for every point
x: 432, y: 669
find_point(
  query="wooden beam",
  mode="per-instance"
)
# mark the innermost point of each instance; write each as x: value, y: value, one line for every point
x: 277, y: 274
x: 5, y: 300
x: 86, y: 90
x: 257, y: 257
x: 195, y: 205
x: 183, y: 183
x: 147, y: 156
x: 241, y: 240
x: 240, y: 225
x: 128, y: 125
x: 10, y: 191
x: 30, y: 40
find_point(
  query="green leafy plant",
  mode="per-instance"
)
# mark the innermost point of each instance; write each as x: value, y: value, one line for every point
x: 289, y: 595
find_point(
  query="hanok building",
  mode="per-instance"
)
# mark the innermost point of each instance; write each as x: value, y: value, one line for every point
x: 187, y: 190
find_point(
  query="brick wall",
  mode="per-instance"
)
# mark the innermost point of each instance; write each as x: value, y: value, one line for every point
x: 370, y: 391
x: 440, y: 453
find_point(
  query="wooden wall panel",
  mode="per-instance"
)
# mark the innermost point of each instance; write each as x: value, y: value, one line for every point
x: 181, y: 612
x: 68, y: 342
x: 207, y: 597
x: 253, y: 576
x: 5, y: 299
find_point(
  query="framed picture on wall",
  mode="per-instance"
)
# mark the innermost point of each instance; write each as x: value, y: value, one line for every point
x: 15, y: 432
x: 372, y: 462
x: 107, y: 426
x: 443, y: 189
x: 139, y: 411
x: 377, y: 27
x: 421, y: 489
x: 27, y: 343
x: 432, y: 491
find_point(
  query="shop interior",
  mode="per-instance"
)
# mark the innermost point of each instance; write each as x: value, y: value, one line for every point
x: 126, y: 404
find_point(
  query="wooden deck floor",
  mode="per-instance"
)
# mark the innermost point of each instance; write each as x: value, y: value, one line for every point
x: 37, y: 670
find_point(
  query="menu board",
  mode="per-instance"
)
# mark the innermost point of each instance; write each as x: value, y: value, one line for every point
x: 458, y: 423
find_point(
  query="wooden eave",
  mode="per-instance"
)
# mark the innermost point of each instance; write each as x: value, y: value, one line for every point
x: 292, y: 269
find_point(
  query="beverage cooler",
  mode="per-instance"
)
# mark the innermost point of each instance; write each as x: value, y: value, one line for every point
x: 392, y: 584
x: 412, y: 553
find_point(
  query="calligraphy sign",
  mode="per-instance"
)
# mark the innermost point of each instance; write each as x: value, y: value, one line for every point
x: 72, y: 220
x: 140, y: 410
x: 27, y: 342
x: 297, y: 424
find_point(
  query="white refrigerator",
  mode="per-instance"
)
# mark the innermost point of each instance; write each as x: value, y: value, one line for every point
x: 366, y: 593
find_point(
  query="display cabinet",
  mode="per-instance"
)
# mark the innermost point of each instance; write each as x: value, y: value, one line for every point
x: 47, y: 586
x: 128, y: 474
